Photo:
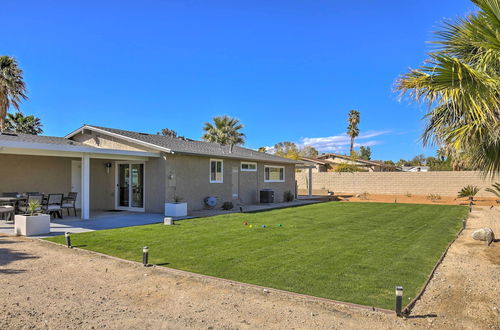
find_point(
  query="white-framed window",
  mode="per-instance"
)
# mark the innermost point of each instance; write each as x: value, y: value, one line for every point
x: 248, y: 167
x: 274, y: 173
x: 216, y: 171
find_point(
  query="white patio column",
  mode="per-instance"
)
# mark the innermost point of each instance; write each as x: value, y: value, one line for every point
x: 85, y: 187
x: 310, y: 182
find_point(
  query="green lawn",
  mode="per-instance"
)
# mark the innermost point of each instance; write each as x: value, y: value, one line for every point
x: 354, y: 252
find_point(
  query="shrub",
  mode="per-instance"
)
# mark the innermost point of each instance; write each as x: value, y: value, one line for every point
x: 288, y: 196
x: 349, y: 168
x: 226, y: 206
x: 409, y: 194
x: 434, y: 197
x: 364, y: 195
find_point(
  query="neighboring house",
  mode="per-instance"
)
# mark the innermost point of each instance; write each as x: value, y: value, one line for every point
x: 328, y: 162
x: 315, y: 164
x: 114, y: 169
x: 415, y: 168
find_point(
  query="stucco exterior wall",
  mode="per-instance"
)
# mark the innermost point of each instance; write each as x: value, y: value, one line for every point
x: 25, y: 173
x: 188, y: 177
x: 102, y: 185
x: 155, y: 184
x: 445, y: 183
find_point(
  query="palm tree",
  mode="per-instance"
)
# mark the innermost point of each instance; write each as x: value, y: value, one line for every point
x: 225, y: 131
x: 495, y: 190
x: 23, y: 124
x: 460, y: 83
x: 469, y: 191
x: 352, y: 129
x: 12, y: 87
x: 167, y: 132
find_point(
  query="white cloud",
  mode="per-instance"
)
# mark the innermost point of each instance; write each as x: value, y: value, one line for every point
x: 341, y: 142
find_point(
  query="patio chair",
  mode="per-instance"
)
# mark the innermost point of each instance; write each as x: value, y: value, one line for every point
x: 7, y: 213
x: 23, y: 205
x: 54, y: 205
x: 70, y: 202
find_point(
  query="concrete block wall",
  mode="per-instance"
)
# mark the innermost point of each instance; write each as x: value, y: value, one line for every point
x: 445, y: 183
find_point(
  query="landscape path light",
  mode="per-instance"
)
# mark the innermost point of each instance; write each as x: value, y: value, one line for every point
x: 67, y: 235
x: 399, y: 300
x: 145, y: 253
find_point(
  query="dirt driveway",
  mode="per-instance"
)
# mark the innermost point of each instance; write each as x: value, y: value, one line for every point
x: 48, y: 286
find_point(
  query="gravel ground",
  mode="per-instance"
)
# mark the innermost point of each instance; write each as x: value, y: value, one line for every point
x: 48, y: 286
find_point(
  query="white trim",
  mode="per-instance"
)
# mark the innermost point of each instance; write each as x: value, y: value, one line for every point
x: 221, y: 169
x: 248, y: 169
x: 123, y: 137
x: 117, y: 192
x: 71, y: 149
x: 274, y: 166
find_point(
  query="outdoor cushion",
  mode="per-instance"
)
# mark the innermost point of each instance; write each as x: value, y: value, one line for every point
x: 68, y: 205
x: 53, y: 208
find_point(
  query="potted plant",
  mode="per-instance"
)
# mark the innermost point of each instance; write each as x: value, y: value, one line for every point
x: 176, y: 209
x: 32, y: 223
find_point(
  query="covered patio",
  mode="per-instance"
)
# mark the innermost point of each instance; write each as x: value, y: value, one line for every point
x: 104, y: 179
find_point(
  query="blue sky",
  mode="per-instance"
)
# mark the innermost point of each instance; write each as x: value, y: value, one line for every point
x: 289, y: 70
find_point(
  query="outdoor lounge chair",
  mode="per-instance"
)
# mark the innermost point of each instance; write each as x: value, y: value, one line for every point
x: 23, y: 206
x: 70, y: 202
x: 54, y: 205
x: 7, y: 212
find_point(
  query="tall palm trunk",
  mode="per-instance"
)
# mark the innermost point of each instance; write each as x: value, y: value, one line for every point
x: 352, y: 146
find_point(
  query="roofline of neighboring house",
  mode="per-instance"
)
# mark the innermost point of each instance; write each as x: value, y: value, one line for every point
x: 72, y: 148
x: 126, y: 138
x: 357, y: 160
x: 313, y: 160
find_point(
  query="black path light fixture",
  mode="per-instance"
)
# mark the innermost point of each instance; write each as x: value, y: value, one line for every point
x: 399, y: 300
x: 67, y: 236
x: 145, y: 255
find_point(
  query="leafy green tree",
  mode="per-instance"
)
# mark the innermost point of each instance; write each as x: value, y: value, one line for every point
x: 286, y: 149
x: 402, y: 162
x: 262, y: 149
x: 225, y: 131
x: 167, y: 132
x: 23, y: 124
x: 12, y: 87
x: 460, y: 83
x: 418, y: 160
x: 309, y: 152
x: 365, y: 153
x: 352, y: 128
x: 389, y: 162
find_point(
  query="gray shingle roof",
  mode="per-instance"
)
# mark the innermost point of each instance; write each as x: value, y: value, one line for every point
x: 19, y: 137
x: 197, y: 147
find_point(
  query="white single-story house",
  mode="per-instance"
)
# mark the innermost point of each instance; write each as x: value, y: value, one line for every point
x: 113, y: 169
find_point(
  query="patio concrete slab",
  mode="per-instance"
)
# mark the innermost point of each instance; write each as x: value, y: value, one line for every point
x: 100, y: 221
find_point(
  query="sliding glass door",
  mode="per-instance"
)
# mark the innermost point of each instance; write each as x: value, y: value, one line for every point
x: 130, y: 186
